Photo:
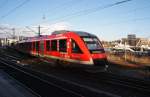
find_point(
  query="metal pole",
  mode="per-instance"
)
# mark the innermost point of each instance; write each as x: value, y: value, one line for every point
x: 13, y: 33
x: 39, y: 32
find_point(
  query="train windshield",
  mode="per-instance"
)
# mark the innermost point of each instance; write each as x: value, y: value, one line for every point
x: 93, y: 44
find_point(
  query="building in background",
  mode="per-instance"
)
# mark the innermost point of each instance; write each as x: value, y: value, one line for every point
x: 7, y: 41
x: 131, y: 40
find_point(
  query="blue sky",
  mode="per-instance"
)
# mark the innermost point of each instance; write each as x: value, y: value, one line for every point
x: 108, y: 24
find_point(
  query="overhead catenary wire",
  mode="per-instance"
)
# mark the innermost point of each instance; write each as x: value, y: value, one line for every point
x: 6, y: 32
x: 63, y: 5
x: 14, y: 9
x: 91, y: 10
x: 88, y: 11
x: 131, y: 11
x: 126, y: 21
x: 53, y: 10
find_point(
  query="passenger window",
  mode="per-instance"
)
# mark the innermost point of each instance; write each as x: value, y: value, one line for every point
x: 48, y: 45
x: 37, y: 46
x: 42, y: 45
x: 54, y: 45
x: 63, y: 45
x: 75, y: 47
x: 33, y: 45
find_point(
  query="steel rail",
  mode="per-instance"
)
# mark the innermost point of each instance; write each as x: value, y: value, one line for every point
x: 72, y: 90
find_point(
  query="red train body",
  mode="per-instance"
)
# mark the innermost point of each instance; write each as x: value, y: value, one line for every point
x: 75, y: 48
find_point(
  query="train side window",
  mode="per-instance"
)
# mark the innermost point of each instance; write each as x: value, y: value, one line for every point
x: 33, y: 45
x: 63, y: 45
x: 42, y: 45
x: 54, y: 45
x: 37, y: 45
x: 48, y: 45
x: 75, y: 47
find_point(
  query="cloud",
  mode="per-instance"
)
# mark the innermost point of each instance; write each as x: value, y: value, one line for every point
x: 48, y: 28
x: 30, y: 31
x: 5, y: 30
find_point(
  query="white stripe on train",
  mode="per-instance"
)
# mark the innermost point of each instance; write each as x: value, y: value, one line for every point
x: 65, y: 59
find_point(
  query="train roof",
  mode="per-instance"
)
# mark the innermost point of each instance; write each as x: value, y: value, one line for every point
x: 84, y: 34
x: 80, y: 33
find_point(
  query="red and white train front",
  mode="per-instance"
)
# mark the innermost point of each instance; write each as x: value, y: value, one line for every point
x: 96, y: 50
x: 93, y: 49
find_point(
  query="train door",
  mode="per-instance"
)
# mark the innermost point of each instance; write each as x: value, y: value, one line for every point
x: 37, y: 47
x: 75, y: 51
x: 33, y: 47
x: 48, y: 46
x: 42, y: 47
x: 63, y: 48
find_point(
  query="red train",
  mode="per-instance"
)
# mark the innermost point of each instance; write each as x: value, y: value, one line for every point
x: 74, y: 48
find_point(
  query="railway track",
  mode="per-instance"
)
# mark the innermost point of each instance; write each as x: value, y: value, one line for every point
x: 37, y: 84
x: 129, y: 84
x: 47, y: 86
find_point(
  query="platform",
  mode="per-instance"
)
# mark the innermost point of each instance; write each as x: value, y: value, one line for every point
x: 9, y: 87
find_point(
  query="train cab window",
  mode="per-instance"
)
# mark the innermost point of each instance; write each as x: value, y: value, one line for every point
x: 48, y: 45
x: 75, y: 47
x: 54, y: 45
x: 93, y: 44
x: 63, y: 45
x: 37, y: 46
